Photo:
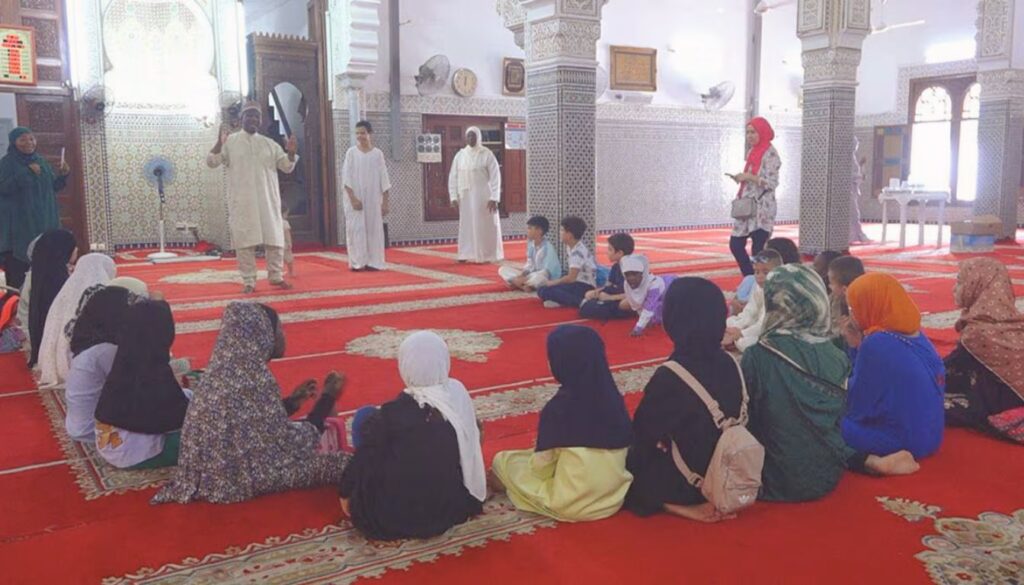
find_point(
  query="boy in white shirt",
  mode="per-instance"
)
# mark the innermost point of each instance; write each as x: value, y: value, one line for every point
x: 542, y: 262
x: 570, y: 290
x: 743, y: 330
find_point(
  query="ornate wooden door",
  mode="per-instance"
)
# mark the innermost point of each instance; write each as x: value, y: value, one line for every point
x: 280, y: 62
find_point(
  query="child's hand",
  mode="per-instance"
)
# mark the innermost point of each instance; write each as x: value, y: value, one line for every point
x: 636, y: 332
x: 591, y: 295
x: 604, y: 297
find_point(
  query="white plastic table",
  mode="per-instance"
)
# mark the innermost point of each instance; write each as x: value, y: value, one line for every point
x: 903, y: 197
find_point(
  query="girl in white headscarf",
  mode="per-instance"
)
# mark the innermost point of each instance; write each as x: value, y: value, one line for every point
x: 645, y: 292
x: 55, y: 351
x: 474, y: 185
x: 418, y: 467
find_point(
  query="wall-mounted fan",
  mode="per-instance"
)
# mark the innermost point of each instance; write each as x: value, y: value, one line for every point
x: 433, y: 75
x: 96, y: 103
x: 718, y: 96
x: 766, y: 5
x: 160, y: 172
x: 884, y: 27
x: 231, y: 108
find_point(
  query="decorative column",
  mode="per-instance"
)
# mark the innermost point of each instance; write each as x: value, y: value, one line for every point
x: 560, y: 38
x: 355, y: 50
x: 832, y: 32
x: 1001, y: 124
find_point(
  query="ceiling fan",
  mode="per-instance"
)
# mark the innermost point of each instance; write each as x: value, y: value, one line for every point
x: 766, y: 5
x: 883, y: 27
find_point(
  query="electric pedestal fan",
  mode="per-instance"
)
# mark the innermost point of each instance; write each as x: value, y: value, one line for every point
x: 160, y: 172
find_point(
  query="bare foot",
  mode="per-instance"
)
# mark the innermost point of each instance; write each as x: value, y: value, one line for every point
x: 248, y: 289
x: 304, y: 391
x: 334, y: 384
x: 899, y: 463
x: 494, y: 484
x: 700, y: 512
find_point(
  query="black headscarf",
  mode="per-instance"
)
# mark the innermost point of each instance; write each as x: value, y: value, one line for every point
x: 50, y: 259
x: 587, y: 410
x: 141, y: 394
x: 786, y: 248
x: 694, y: 318
x: 16, y: 154
x: 100, y: 318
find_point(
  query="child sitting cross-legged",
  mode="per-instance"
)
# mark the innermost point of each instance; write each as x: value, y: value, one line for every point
x: 607, y: 302
x: 645, y: 292
x: 743, y: 330
x: 570, y: 290
x: 542, y: 262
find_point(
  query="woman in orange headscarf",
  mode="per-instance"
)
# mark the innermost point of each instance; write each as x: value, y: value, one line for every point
x: 896, y: 390
x: 985, y: 373
x: 757, y: 182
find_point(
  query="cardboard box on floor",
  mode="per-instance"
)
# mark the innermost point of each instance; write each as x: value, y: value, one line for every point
x: 981, y: 225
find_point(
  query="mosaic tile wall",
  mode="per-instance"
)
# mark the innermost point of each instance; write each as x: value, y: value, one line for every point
x: 656, y: 166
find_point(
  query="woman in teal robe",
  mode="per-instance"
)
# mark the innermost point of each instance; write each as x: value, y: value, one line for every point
x: 28, y: 201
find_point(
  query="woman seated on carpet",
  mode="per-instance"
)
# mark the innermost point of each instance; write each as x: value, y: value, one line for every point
x: 898, y: 382
x: 578, y: 470
x: 797, y: 378
x: 670, y: 412
x: 985, y: 373
x: 53, y: 256
x: 55, y: 352
x: 418, y: 467
x: 142, y: 407
x: 237, y: 442
x: 93, y: 347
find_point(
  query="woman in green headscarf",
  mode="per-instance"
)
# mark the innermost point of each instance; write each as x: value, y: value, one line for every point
x: 797, y: 379
x: 28, y: 201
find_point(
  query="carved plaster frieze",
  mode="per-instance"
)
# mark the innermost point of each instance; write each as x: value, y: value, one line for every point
x: 830, y: 67
x: 561, y: 38
x: 995, y: 28
x: 1001, y: 85
x: 513, y: 15
x: 833, y: 23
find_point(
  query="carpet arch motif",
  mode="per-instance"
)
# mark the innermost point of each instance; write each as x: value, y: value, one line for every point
x: 468, y: 346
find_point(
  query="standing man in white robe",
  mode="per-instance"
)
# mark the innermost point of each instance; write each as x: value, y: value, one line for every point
x: 367, y: 190
x: 474, y: 185
x: 254, y: 194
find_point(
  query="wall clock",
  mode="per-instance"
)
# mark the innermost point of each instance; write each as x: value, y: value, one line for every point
x: 464, y: 83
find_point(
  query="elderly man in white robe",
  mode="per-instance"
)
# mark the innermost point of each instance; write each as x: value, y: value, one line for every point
x: 474, y: 185
x: 367, y: 188
x: 254, y: 194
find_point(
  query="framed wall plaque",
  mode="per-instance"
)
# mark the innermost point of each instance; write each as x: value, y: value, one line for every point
x: 513, y: 77
x: 17, y: 55
x: 634, y: 69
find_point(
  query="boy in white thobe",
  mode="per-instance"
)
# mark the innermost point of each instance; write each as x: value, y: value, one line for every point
x: 474, y: 184
x: 367, y: 188
x: 254, y: 195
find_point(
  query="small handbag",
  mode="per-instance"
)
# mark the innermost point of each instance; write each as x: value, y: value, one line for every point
x: 744, y: 208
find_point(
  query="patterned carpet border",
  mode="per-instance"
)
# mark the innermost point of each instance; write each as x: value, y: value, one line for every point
x: 337, y: 554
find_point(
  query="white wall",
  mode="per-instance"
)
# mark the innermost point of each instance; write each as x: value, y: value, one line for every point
x: 698, y: 46
x: 947, y: 35
x: 782, y: 72
x: 287, y: 17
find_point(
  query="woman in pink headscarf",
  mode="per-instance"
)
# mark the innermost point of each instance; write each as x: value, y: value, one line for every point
x: 758, y: 181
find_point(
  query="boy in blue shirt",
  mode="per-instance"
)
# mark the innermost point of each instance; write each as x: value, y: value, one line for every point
x: 606, y: 302
x: 569, y: 290
x: 542, y: 262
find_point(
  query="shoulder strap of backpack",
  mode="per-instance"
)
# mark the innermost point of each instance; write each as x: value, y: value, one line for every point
x: 700, y: 391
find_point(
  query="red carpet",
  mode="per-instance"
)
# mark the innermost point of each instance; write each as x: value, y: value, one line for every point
x: 69, y: 518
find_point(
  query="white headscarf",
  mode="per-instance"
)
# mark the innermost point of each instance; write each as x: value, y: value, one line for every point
x: 424, y: 363
x: 132, y: 285
x: 637, y: 296
x: 55, y: 351
x: 472, y: 158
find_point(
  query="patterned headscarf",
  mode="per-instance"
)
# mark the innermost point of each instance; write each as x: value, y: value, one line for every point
x: 796, y: 303
x: 878, y: 302
x: 990, y: 326
x: 237, y: 442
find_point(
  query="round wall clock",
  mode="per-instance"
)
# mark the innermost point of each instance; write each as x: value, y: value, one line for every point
x: 464, y: 83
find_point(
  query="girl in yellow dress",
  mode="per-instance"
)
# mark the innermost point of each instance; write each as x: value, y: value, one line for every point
x: 578, y: 470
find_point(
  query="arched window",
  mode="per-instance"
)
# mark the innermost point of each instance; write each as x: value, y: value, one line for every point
x: 159, y: 53
x: 967, y: 167
x: 944, y: 135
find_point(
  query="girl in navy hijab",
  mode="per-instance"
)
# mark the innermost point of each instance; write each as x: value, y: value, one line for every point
x: 578, y: 470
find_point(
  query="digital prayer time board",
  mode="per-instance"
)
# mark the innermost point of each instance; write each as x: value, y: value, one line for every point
x: 17, y: 55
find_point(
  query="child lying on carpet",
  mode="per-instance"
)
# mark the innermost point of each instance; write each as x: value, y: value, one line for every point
x: 577, y: 471
x: 644, y: 292
x: 542, y: 264
x: 608, y: 301
x: 743, y: 330
x: 570, y: 290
